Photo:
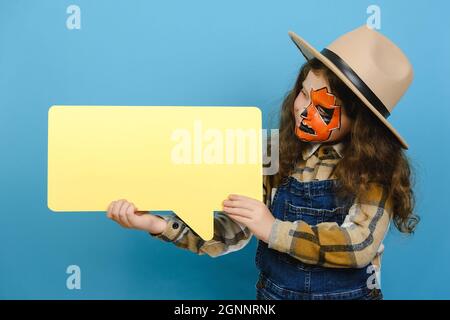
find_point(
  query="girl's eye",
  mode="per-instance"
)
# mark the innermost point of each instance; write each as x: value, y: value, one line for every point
x: 325, y: 113
x: 321, y: 111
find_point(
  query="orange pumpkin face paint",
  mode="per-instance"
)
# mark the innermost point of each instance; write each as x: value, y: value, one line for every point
x: 320, y: 117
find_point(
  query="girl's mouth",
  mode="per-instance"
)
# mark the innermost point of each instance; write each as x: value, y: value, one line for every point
x: 306, y: 128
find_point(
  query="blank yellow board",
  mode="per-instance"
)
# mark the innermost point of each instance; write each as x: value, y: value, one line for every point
x: 183, y: 159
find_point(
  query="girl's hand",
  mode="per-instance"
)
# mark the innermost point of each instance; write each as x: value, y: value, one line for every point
x: 127, y: 215
x: 250, y: 212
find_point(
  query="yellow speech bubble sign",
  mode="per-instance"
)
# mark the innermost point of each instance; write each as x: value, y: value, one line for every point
x: 178, y: 158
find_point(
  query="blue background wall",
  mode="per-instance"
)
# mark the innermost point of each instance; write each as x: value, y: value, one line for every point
x: 196, y: 52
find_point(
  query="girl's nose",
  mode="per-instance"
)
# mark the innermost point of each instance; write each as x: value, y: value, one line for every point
x: 304, y: 114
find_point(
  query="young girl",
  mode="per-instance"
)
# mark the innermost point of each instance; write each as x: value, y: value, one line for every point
x: 343, y: 177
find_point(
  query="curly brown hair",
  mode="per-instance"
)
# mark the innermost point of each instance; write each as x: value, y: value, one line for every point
x: 364, y: 161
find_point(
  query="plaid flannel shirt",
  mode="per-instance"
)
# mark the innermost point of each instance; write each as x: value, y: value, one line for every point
x: 354, y: 244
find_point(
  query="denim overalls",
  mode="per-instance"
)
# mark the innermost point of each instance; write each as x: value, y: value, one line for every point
x: 286, y: 278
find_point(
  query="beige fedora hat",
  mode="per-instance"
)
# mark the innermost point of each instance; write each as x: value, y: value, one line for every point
x: 371, y: 65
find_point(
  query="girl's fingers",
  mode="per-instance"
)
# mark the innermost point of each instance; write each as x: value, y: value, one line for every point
x: 239, y: 204
x: 239, y: 219
x: 130, y: 215
x: 116, y: 219
x: 116, y: 208
x: 109, y: 210
x: 123, y: 213
x: 242, y: 198
x: 238, y: 211
x: 123, y: 208
x: 115, y: 212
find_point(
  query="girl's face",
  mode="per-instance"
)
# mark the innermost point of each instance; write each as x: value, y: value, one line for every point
x: 319, y: 116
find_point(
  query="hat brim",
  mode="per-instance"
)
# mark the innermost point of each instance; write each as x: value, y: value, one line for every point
x: 310, y: 52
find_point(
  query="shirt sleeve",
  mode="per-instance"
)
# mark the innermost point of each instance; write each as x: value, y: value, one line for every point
x: 354, y: 244
x: 229, y: 235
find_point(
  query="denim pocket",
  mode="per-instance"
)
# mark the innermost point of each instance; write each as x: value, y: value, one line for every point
x: 313, y: 216
x: 288, y: 259
x: 262, y: 289
x: 262, y: 294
